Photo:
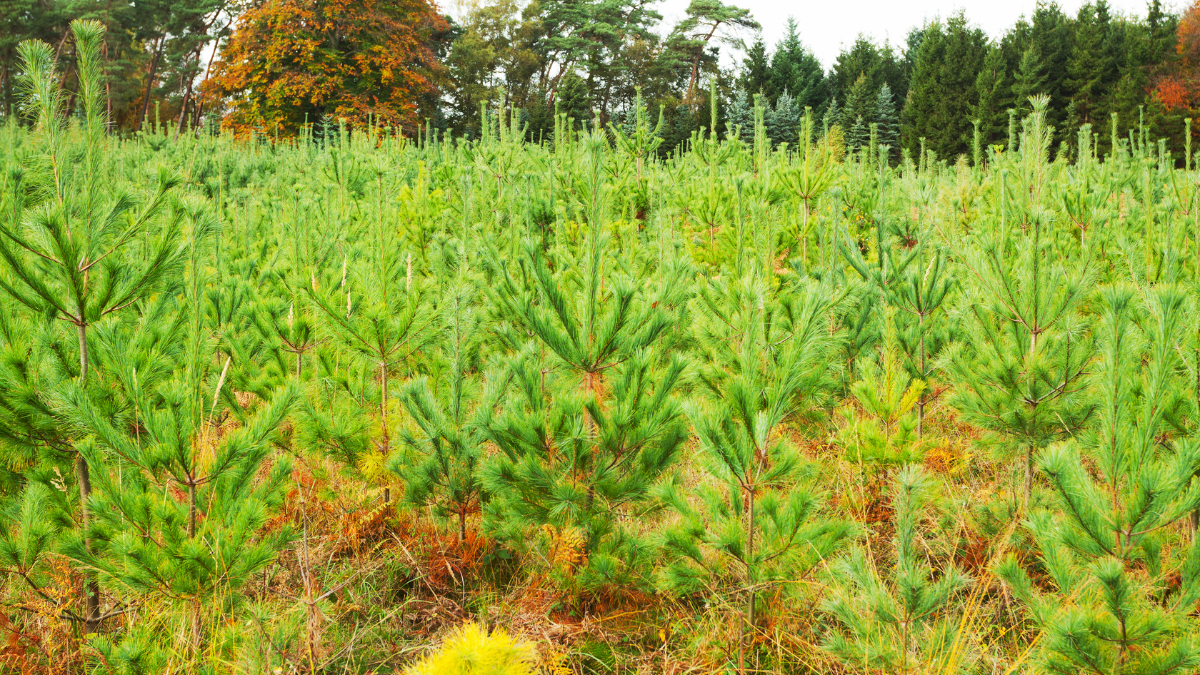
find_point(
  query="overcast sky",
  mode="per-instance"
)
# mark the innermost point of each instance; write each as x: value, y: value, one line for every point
x: 826, y: 25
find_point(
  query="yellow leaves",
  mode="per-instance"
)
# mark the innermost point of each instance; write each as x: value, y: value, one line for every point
x: 566, y: 546
x: 472, y: 651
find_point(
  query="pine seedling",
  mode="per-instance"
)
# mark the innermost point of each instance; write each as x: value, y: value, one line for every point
x: 1122, y: 598
x: 588, y: 423
x: 440, y: 467
x: 902, y: 621
x: 758, y: 522
x: 1020, y: 369
x: 881, y: 428
x: 70, y: 253
x: 381, y: 314
x: 182, y: 503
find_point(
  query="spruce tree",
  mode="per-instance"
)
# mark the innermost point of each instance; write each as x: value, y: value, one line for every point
x: 1122, y: 597
x: 993, y: 88
x: 740, y: 115
x: 795, y: 70
x: 942, y: 88
x: 756, y: 76
x: 783, y: 121
x: 861, y: 101
x: 900, y: 620
x: 1030, y: 80
x: 887, y: 121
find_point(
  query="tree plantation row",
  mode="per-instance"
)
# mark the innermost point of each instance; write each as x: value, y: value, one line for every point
x: 362, y: 403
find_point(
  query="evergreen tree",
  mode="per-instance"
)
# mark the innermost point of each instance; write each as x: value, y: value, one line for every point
x: 993, y: 88
x: 878, y: 64
x: 758, y: 524
x: 942, y: 88
x: 1020, y: 371
x: 861, y: 102
x: 740, y: 114
x: 444, y: 454
x: 756, y: 76
x: 1091, y: 69
x: 585, y: 431
x: 783, y: 121
x: 70, y: 255
x: 796, y: 71
x: 886, y: 120
x: 900, y: 622
x: 1122, y: 598
x: 1030, y: 80
x: 858, y: 136
x: 573, y: 99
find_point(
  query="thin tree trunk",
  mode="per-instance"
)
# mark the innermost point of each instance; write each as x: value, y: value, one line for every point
x: 84, y: 477
x: 1028, y: 475
x: 150, y: 82
x: 748, y: 624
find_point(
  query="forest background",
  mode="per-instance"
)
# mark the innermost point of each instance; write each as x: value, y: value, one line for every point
x: 279, y: 65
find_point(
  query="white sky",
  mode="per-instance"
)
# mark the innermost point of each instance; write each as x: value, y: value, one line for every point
x: 825, y: 25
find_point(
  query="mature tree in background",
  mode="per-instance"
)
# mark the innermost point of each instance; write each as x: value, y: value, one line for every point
x: 296, y: 61
x: 993, y: 92
x: 706, y: 21
x: 942, y: 90
x: 1092, y: 66
x: 756, y: 72
x: 1030, y: 79
x: 794, y: 69
x: 879, y: 64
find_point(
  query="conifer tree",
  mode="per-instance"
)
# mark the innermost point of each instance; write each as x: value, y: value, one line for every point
x: 941, y: 90
x: 588, y: 422
x: 441, y: 468
x: 380, y: 312
x: 740, y: 115
x: 881, y: 429
x: 83, y: 249
x: 1030, y: 80
x: 861, y: 101
x: 1019, y: 371
x: 756, y: 77
x: 993, y: 88
x: 783, y: 121
x: 794, y: 69
x: 900, y: 622
x: 887, y: 121
x: 758, y: 522
x: 1122, y: 599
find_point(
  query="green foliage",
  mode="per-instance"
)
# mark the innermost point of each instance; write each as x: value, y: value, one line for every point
x: 901, y: 621
x: 1117, y: 488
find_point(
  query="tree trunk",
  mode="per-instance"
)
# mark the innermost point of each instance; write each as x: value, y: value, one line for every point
x: 84, y: 477
x: 748, y: 624
x: 150, y: 82
x: 1028, y: 475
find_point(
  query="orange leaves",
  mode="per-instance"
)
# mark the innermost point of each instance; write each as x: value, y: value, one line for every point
x: 292, y: 61
x: 1180, y: 86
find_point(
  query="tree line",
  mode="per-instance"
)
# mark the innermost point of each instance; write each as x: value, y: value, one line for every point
x: 279, y: 65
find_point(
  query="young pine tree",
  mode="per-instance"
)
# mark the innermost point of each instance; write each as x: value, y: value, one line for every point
x: 588, y: 423
x: 1020, y: 370
x: 78, y: 250
x: 444, y: 454
x: 1124, y: 594
x: 901, y: 620
x: 757, y: 521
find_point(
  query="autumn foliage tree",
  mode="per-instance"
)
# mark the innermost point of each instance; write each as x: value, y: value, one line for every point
x: 1178, y: 86
x: 292, y: 61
